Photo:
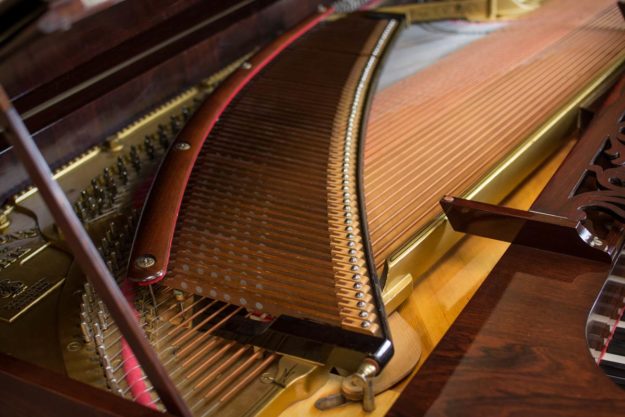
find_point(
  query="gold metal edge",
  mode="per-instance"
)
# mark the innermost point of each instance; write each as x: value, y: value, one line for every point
x: 473, y: 10
x: 437, y: 237
x: 33, y: 302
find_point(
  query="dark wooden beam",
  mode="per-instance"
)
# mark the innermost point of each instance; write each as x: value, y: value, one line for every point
x: 32, y: 391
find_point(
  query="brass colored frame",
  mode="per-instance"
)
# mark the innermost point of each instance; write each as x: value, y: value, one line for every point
x: 476, y: 10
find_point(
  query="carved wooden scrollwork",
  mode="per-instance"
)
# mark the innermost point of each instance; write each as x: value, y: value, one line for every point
x: 602, y: 186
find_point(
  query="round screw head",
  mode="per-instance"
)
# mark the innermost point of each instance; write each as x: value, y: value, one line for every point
x: 182, y: 146
x: 145, y: 261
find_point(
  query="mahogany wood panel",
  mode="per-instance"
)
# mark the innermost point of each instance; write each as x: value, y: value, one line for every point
x: 31, y: 391
x: 519, y: 347
x: 529, y: 228
x: 65, y: 135
x: 43, y: 58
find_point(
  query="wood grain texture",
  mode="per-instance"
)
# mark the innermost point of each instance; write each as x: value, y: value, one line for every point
x: 519, y: 348
x: 520, y: 345
x: 31, y: 391
x: 72, y: 126
x: 529, y: 228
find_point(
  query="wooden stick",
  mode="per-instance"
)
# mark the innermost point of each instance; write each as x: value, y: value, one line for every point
x: 87, y: 255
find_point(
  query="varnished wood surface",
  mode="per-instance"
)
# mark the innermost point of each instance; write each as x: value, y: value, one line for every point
x: 520, y: 346
x: 31, y: 391
x: 440, y: 295
x: 63, y: 51
x: 74, y: 124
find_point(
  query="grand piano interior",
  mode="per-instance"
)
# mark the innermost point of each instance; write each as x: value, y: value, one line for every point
x: 280, y: 189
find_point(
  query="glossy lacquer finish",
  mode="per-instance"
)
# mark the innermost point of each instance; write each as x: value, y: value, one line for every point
x: 519, y: 348
x: 75, y: 88
x: 31, y: 391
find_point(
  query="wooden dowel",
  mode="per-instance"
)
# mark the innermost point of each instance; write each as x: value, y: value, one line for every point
x: 87, y: 255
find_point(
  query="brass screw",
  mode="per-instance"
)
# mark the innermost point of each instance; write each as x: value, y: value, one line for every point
x: 182, y: 146
x: 145, y: 261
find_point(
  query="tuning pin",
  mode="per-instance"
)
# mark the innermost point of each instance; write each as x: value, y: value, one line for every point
x: 124, y: 176
x: 79, y: 209
x: 112, y: 188
x: 89, y: 291
x: 121, y: 165
x: 85, y: 305
x: 103, y: 308
x: 102, y: 320
x: 105, y: 244
x: 118, y: 250
x: 163, y: 139
x: 136, y: 164
x: 92, y: 206
x: 174, y: 124
x: 86, y: 332
x: 110, y: 265
x: 97, y: 192
x: 99, y: 336
x: 149, y: 147
x: 84, y: 316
